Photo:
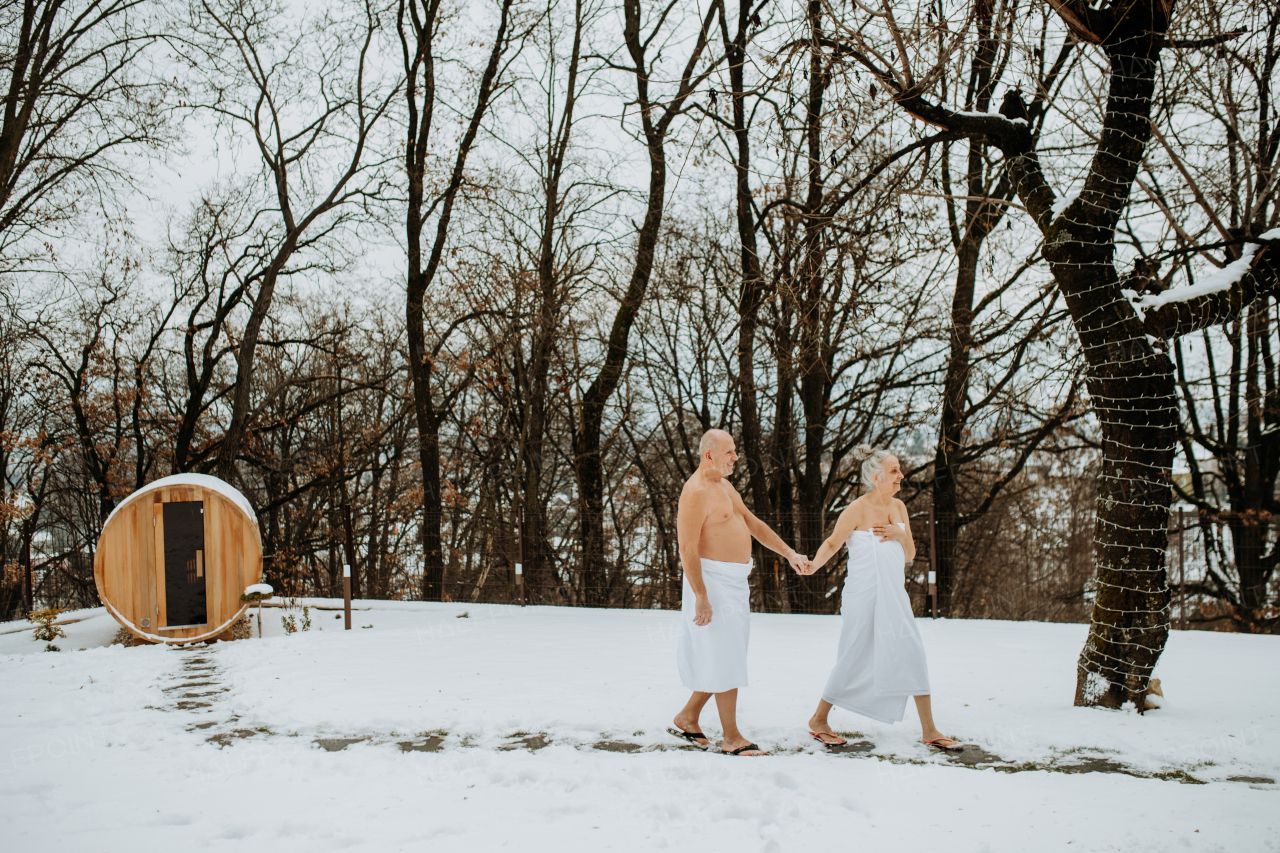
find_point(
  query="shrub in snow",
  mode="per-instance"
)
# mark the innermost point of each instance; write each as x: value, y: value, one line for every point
x: 45, y: 630
x: 291, y: 625
x: 124, y: 637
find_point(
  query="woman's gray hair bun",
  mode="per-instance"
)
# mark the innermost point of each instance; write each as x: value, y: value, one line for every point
x: 872, y: 460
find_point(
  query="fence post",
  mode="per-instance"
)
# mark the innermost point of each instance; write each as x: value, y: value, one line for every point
x: 933, y: 561
x: 1182, y: 574
x: 346, y: 595
x: 520, y: 558
x: 28, y: 585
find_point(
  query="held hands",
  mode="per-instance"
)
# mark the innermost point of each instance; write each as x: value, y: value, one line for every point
x: 802, y: 564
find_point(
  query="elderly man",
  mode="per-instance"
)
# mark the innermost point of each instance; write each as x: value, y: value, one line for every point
x: 715, y: 530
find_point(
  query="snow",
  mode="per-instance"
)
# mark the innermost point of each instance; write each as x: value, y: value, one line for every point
x: 256, y: 588
x: 96, y: 753
x: 1220, y: 279
x: 222, y: 487
x: 1132, y: 296
x: 1273, y: 234
x: 1062, y: 202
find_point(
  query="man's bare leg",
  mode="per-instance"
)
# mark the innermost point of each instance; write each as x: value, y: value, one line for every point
x: 928, y: 730
x: 687, y: 719
x: 727, y: 704
x: 818, y: 723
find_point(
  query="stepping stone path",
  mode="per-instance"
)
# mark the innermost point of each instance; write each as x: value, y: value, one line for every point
x: 199, y: 686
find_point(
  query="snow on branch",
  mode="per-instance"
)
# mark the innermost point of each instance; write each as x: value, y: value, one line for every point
x: 1084, y: 20
x: 1215, y: 299
x: 996, y: 127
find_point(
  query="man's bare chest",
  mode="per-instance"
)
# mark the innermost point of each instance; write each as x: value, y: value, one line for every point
x: 721, y: 512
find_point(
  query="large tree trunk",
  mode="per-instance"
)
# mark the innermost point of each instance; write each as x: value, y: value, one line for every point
x: 1129, y: 380
x: 1250, y: 519
x: 750, y: 297
x: 416, y: 25
x: 954, y: 414
x: 587, y: 452
x: 1132, y: 390
x: 424, y: 410
x: 980, y: 217
x: 586, y: 441
x: 540, y: 575
x: 812, y: 362
x: 233, y: 439
x: 783, y: 458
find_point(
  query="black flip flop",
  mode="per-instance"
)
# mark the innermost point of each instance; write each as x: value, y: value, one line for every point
x: 743, y: 749
x: 692, y: 737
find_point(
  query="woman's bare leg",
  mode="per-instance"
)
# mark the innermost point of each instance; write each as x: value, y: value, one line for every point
x: 927, y: 729
x: 818, y: 722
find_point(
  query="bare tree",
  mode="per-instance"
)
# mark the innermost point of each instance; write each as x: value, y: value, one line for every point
x: 76, y: 97
x: 657, y: 115
x: 976, y: 201
x: 419, y: 24
x: 1228, y: 378
x: 1128, y: 374
x: 249, y: 61
x: 753, y: 282
x: 547, y: 255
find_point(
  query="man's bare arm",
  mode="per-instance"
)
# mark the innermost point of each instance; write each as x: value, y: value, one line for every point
x: 690, y: 515
x: 764, y: 534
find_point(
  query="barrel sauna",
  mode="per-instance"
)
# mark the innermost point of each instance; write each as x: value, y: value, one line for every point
x: 174, y: 558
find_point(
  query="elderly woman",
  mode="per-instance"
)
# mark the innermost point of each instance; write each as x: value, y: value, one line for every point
x: 880, y: 661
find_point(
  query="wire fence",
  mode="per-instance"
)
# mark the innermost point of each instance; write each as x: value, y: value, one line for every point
x: 1019, y: 567
x: 990, y: 568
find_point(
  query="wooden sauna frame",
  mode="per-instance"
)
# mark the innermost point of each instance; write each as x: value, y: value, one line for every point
x: 128, y: 566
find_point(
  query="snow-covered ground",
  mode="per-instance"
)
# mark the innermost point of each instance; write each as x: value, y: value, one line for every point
x: 540, y: 728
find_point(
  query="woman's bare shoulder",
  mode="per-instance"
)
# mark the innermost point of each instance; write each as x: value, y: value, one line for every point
x: 853, y: 511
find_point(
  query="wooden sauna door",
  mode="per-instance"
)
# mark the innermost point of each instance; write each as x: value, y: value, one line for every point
x: 184, y: 575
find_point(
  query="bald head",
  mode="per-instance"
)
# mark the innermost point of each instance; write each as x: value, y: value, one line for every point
x: 714, y: 440
x: 716, y: 454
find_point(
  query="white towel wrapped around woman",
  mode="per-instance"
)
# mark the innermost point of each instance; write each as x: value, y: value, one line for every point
x: 880, y: 660
x: 712, y: 658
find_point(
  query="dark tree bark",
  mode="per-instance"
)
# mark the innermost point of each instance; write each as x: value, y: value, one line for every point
x: 986, y: 189
x: 1129, y: 379
x: 532, y: 415
x: 656, y: 117
x: 752, y: 287
x: 231, y: 45
x: 418, y: 23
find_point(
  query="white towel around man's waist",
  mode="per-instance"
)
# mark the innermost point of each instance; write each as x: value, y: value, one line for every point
x: 713, y: 658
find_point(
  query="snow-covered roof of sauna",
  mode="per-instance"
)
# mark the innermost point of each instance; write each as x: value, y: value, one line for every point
x: 204, y: 481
